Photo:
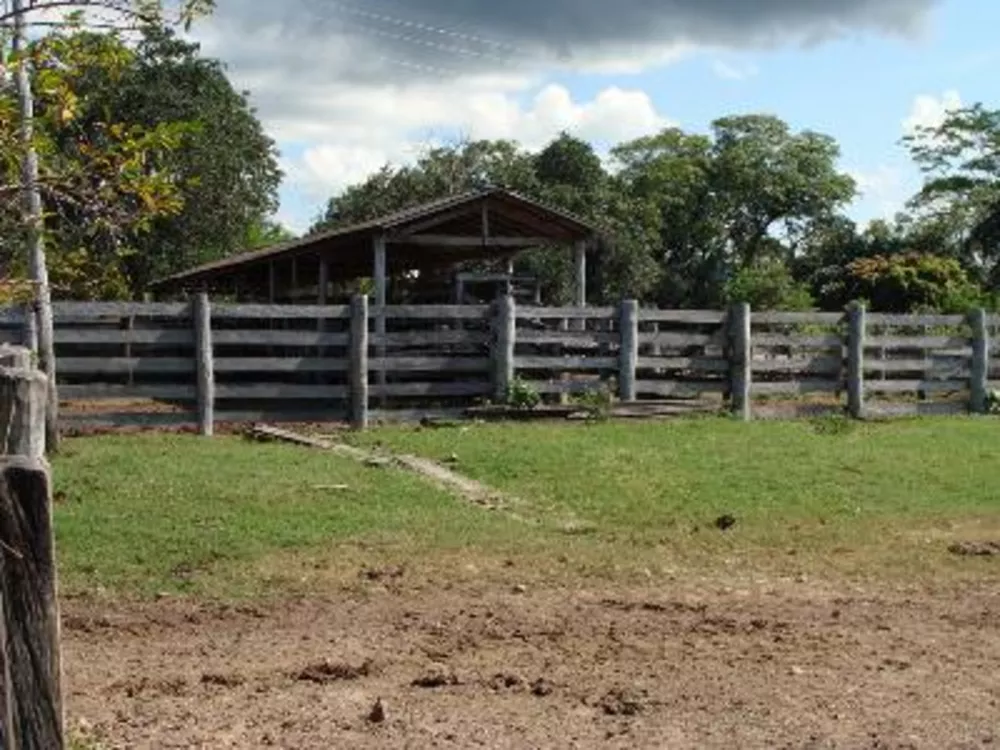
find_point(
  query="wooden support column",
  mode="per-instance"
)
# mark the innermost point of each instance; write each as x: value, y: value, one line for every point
x: 856, y: 360
x: 580, y: 299
x: 504, y: 340
x: 31, y: 706
x: 979, y: 387
x: 272, y: 284
x: 202, y: 315
x: 740, y: 360
x: 294, y: 292
x: 359, y: 362
x: 381, y: 281
x: 628, y: 352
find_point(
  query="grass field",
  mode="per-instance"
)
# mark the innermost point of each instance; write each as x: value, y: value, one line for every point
x: 147, y: 513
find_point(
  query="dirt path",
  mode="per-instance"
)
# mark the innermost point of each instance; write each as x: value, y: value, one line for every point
x: 786, y: 665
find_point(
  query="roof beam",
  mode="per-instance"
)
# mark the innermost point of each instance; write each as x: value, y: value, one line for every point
x: 448, y: 240
x: 408, y: 230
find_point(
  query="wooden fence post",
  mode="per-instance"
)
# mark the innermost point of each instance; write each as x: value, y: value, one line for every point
x: 628, y: 352
x: 504, y: 334
x: 856, y: 360
x: 31, y: 706
x: 980, y: 367
x: 202, y: 314
x: 359, y: 362
x: 740, y: 360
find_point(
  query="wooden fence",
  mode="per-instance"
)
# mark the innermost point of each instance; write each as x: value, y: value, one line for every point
x: 201, y: 363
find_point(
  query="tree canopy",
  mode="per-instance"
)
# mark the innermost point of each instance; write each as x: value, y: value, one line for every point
x: 149, y: 161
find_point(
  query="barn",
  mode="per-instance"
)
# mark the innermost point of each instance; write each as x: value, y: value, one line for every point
x: 412, y: 256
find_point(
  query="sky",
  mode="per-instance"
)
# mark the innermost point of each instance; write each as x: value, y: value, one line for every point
x: 346, y: 86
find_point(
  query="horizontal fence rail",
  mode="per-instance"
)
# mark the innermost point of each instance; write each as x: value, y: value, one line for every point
x: 198, y: 363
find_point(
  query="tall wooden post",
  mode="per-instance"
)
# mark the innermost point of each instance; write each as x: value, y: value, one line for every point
x: 381, y: 276
x: 740, y: 360
x: 628, y: 352
x: 202, y: 315
x: 856, y: 360
x: 359, y: 362
x: 504, y: 340
x: 979, y: 386
x: 31, y: 708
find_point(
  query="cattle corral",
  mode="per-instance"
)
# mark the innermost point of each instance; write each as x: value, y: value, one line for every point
x: 331, y: 363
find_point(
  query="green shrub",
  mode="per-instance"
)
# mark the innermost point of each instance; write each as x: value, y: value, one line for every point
x: 522, y: 395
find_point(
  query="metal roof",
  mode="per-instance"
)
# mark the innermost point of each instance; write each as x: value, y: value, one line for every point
x: 329, y: 242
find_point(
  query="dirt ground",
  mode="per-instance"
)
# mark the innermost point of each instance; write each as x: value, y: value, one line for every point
x: 779, y: 664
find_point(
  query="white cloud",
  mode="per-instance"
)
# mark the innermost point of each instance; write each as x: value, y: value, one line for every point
x: 733, y: 72
x: 929, y: 111
x: 882, y: 191
x: 375, y: 128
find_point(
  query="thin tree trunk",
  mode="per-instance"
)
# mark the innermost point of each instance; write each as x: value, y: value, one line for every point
x: 36, y: 243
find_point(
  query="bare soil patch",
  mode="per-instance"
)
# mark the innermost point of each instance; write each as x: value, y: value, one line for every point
x: 775, y: 664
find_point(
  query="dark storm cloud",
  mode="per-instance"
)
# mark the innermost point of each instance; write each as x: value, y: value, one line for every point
x: 462, y: 35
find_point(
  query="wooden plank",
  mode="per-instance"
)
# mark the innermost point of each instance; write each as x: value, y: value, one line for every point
x: 101, y: 391
x: 798, y: 387
x: 680, y: 388
x: 915, y: 342
x: 703, y: 364
x: 281, y: 364
x: 432, y: 364
x: 85, y: 310
x: 564, y: 313
x: 797, y: 318
x: 453, y: 389
x: 913, y: 365
x: 12, y: 316
x: 741, y: 360
x: 919, y: 409
x: 470, y: 241
x: 562, y: 387
x: 282, y: 415
x: 888, y: 319
x: 912, y: 386
x: 628, y: 352
x: 273, y: 433
x: 282, y: 312
x: 126, y: 365
x: 566, y: 363
x: 694, y: 317
x: 670, y: 339
x: 794, y: 340
x: 33, y: 667
x: 279, y: 391
x: 566, y: 338
x: 205, y: 372
x: 431, y: 338
x: 436, y: 312
x: 818, y: 364
x: 164, y: 337
x: 279, y: 338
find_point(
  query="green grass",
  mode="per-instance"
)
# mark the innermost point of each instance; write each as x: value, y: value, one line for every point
x: 150, y: 513
x: 844, y: 494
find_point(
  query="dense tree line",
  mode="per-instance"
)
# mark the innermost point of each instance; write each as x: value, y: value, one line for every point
x: 151, y: 162
x: 751, y: 211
